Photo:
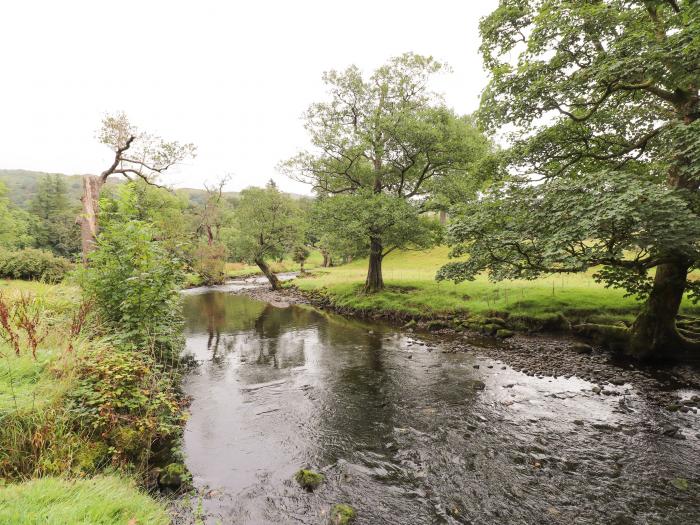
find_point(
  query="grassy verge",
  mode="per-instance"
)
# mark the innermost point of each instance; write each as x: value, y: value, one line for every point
x: 102, y: 500
x: 412, y: 292
x: 76, y: 411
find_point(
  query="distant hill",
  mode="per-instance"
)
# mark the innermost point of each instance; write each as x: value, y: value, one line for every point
x: 22, y: 186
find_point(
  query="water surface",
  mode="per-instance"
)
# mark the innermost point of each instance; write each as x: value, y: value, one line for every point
x: 407, y: 434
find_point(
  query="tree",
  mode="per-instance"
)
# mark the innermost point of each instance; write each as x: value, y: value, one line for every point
x: 53, y: 225
x: 15, y: 223
x: 605, y: 160
x: 212, y: 216
x: 382, y: 144
x: 299, y: 255
x: 137, y: 155
x: 267, y: 226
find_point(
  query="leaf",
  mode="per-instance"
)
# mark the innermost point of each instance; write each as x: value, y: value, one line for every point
x: 680, y: 483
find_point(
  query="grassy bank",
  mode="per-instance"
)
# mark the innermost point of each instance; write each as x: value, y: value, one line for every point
x: 82, y: 407
x: 411, y: 291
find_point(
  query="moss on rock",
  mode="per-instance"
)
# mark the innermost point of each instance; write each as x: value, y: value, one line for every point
x: 308, y: 479
x: 342, y: 514
x: 173, y: 476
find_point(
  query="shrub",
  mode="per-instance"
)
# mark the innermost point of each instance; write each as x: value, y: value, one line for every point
x: 210, y: 262
x: 134, y: 283
x: 129, y: 400
x: 33, y: 264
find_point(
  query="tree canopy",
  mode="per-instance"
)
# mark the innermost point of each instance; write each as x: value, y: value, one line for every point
x: 267, y: 226
x: 382, y: 145
x: 605, y: 158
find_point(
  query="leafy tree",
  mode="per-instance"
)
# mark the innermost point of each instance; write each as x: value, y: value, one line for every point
x: 134, y: 280
x: 212, y: 216
x: 605, y: 160
x: 53, y: 225
x: 137, y: 155
x: 383, y: 144
x: 15, y: 224
x: 299, y: 255
x: 268, y: 225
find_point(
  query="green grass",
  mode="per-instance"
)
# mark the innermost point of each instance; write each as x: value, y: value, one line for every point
x: 103, y: 500
x: 45, y: 432
x: 315, y: 260
x: 411, y: 290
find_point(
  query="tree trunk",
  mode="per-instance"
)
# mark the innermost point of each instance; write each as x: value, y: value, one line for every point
x: 374, y: 282
x: 327, y: 260
x: 88, y: 219
x: 443, y: 217
x: 274, y: 281
x: 301, y: 267
x: 653, y: 334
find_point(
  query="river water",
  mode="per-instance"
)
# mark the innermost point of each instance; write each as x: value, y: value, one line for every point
x: 407, y: 434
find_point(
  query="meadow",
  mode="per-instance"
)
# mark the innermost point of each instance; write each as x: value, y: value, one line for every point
x: 411, y: 290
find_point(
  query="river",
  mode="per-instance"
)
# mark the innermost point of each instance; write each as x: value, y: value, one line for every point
x: 407, y: 434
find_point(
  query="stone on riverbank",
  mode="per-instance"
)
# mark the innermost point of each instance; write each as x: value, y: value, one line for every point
x: 173, y: 476
x: 308, y: 479
x: 342, y: 514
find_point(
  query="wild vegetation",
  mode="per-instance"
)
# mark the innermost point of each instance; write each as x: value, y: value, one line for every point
x: 568, y: 202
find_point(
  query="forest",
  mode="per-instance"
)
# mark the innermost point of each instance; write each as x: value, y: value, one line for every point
x: 466, y: 318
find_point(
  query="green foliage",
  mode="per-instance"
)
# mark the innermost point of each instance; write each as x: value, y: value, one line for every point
x: 209, y: 262
x: 134, y: 281
x: 603, y: 169
x: 103, y: 500
x: 347, y: 223
x: 268, y: 225
x: 300, y: 254
x: 570, y: 225
x: 384, y: 146
x: 53, y: 226
x: 33, y: 264
x: 15, y: 223
x: 127, y: 398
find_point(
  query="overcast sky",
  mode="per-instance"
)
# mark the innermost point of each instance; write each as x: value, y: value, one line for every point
x: 232, y: 77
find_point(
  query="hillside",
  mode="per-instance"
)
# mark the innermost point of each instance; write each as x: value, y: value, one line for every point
x: 22, y: 184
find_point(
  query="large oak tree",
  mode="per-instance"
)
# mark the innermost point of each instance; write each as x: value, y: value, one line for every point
x: 382, y: 145
x: 605, y: 163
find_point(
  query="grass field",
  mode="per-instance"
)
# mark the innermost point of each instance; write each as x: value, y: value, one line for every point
x: 412, y: 290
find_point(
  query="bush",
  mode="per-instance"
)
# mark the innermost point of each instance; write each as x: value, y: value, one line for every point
x: 134, y: 283
x: 33, y: 264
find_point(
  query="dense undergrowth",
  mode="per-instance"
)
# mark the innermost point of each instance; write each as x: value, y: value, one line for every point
x: 88, y: 384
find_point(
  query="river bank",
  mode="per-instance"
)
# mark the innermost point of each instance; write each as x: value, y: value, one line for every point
x: 87, y: 421
x: 549, y: 352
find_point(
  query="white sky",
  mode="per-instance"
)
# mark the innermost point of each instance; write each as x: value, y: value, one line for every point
x: 232, y: 77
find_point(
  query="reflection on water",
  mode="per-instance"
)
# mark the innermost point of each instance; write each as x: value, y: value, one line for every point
x: 407, y: 434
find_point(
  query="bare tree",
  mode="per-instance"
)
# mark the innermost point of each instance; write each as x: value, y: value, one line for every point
x: 136, y: 155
